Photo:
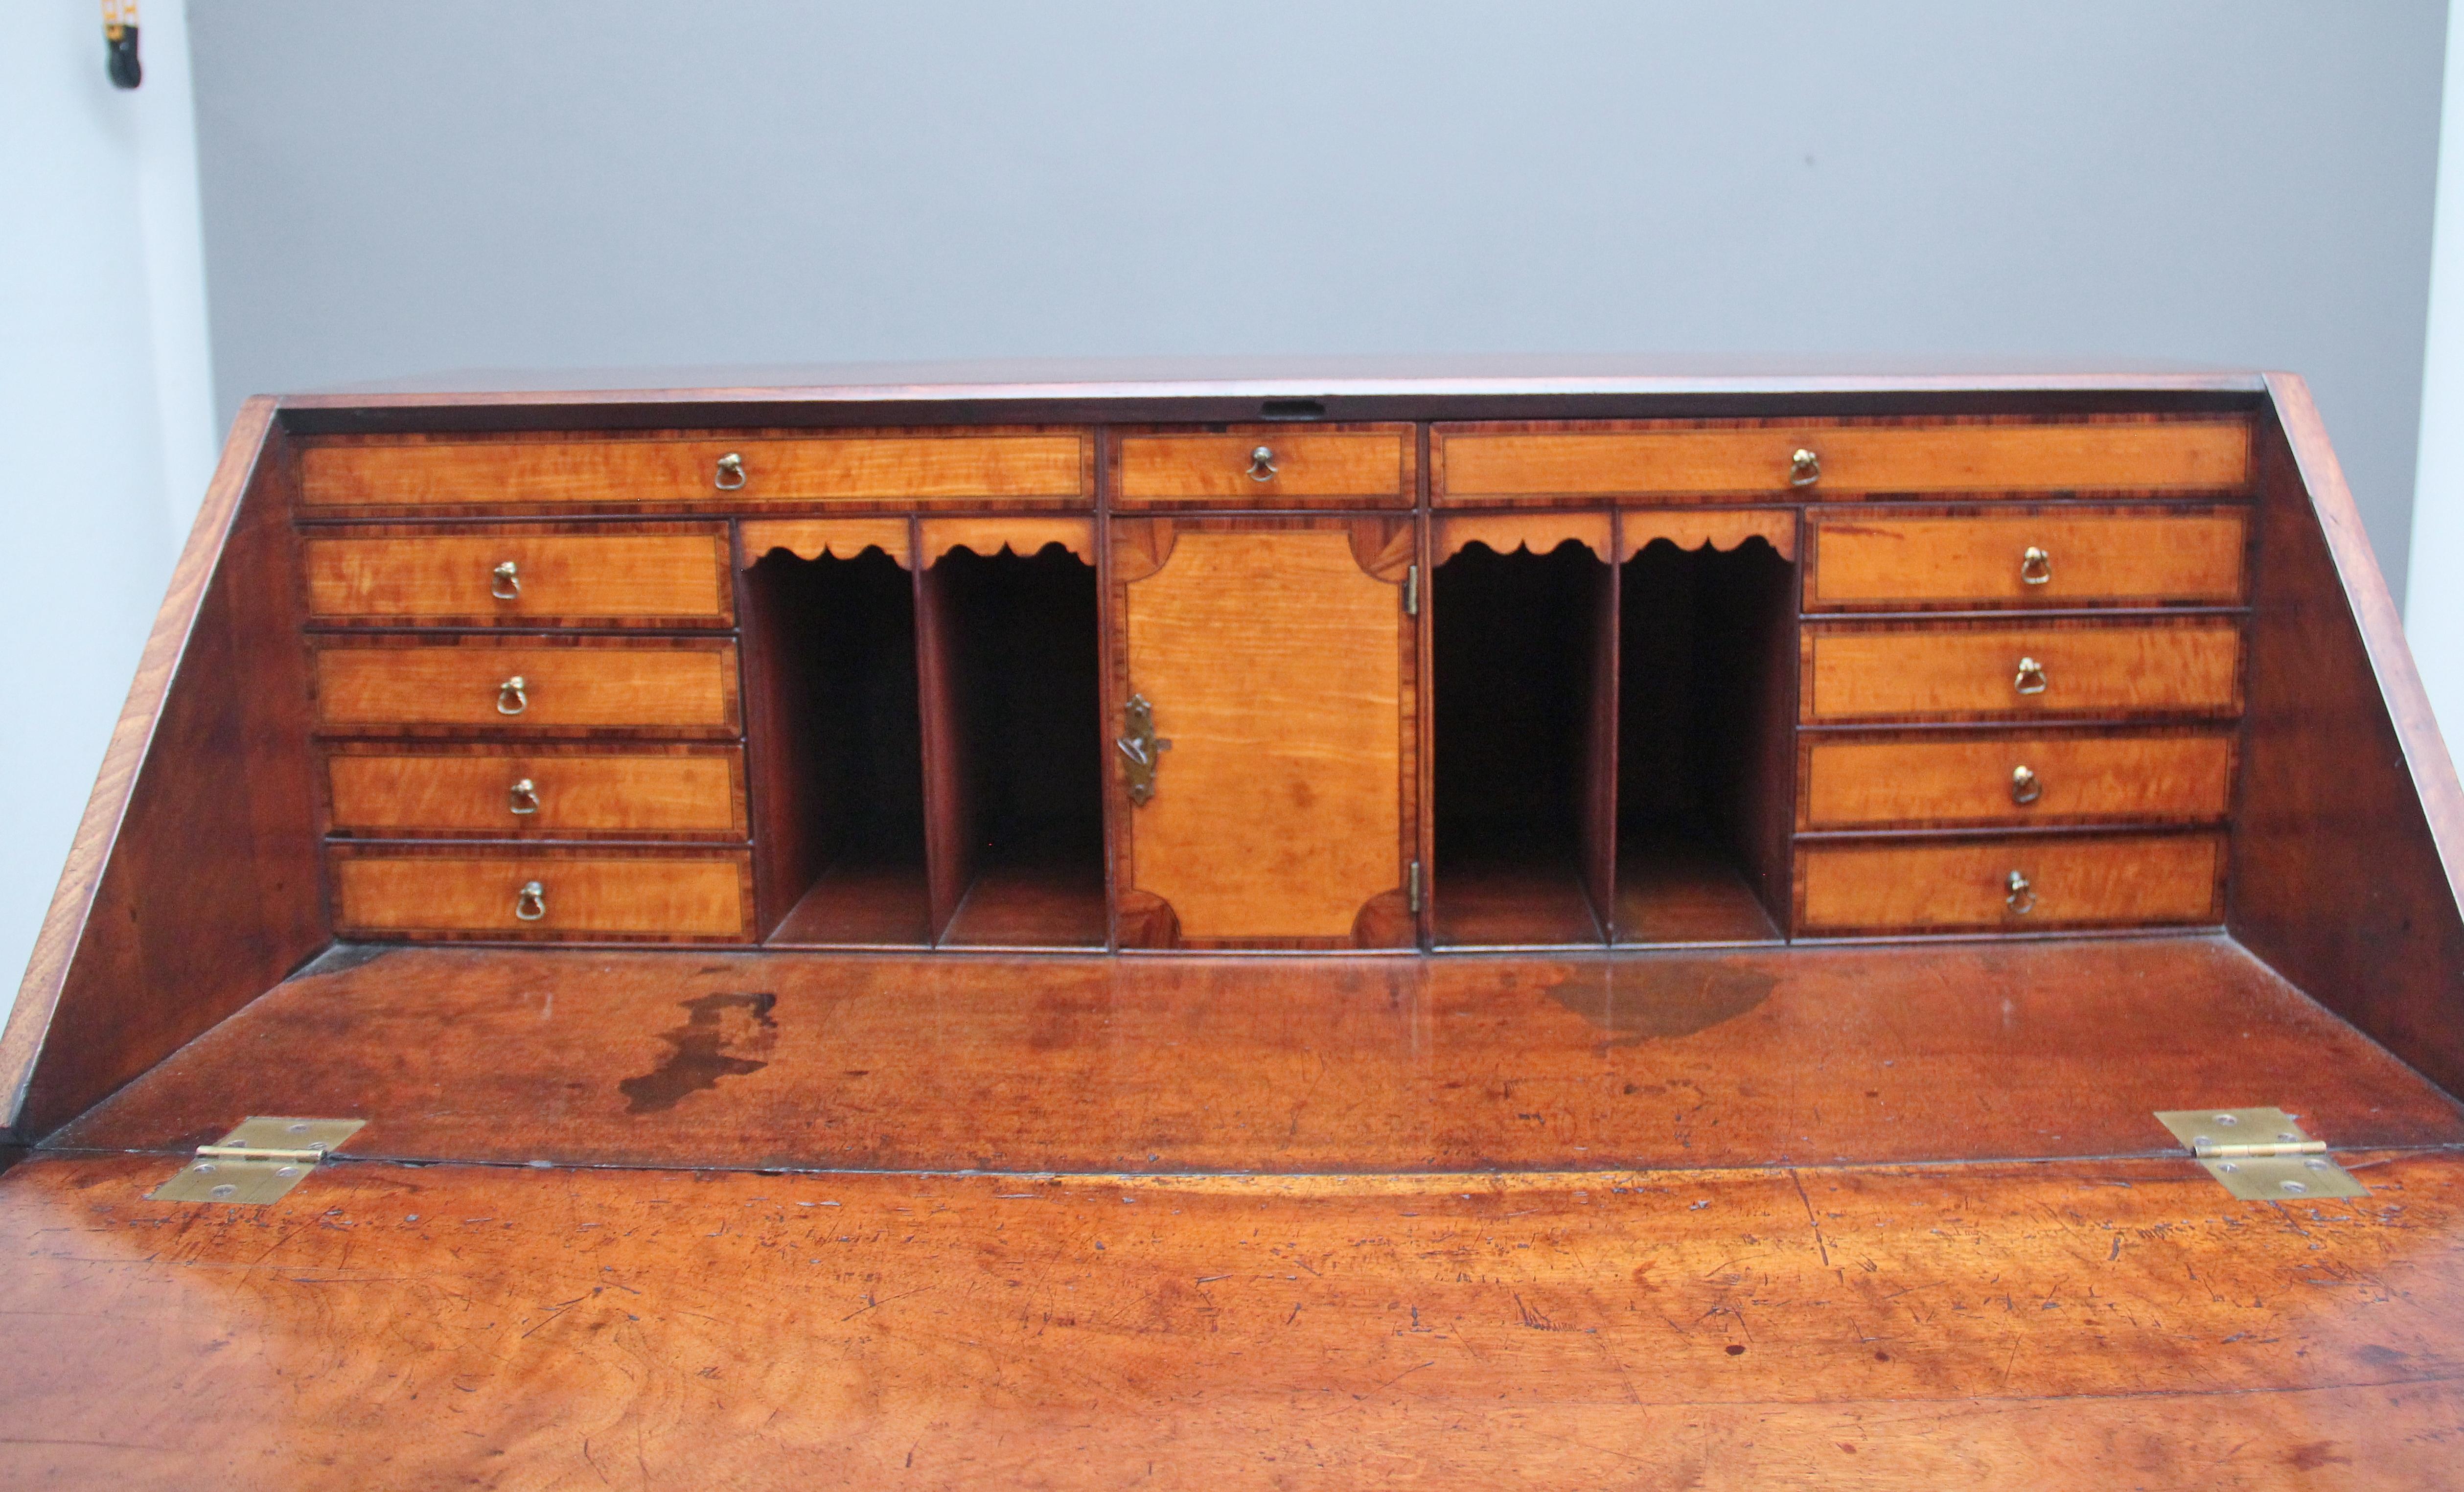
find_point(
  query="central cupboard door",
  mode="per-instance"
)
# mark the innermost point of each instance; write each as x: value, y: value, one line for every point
x: 1277, y: 659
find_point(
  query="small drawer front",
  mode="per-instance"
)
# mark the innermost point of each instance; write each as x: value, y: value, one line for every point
x: 2010, y: 883
x: 717, y: 472
x: 2042, y: 560
x: 541, y: 896
x: 525, y: 684
x: 538, y: 793
x: 1266, y: 467
x: 2016, y: 779
x: 2023, y: 671
x: 517, y: 578
x: 1471, y: 465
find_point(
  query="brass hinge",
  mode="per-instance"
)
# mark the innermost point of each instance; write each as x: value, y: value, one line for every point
x: 1412, y: 887
x: 259, y: 1162
x: 2260, y: 1154
x: 1412, y: 591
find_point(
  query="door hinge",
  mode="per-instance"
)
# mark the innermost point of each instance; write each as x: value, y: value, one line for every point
x: 1412, y: 591
x: 2260, y: 1154
x: 1412, y: 887
x: 259, y: 1162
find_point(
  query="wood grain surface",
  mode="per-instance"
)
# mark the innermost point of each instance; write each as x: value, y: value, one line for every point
x: 2086, y: 1324
x: 1020, y: 533
x: 1534, y: 532
x: 2118, y: 880
x: 2019, y: 1048
x: 1360, y: 465
x: 1272, y: 661
x: 677, y: 579
x: 920, y: 466
x: 811, y: 539
x: 378, y: 790
x: 1696, y: 528
x: 397, y: 891
x: 2079, y: 779
x: 458, y: 682
x: 2094, y: 558
x: 2099, y: 667
x: 1756, y: 458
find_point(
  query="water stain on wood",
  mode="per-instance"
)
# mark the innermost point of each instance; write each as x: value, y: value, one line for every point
x: 721, y: 1034
x: 1648, y: 999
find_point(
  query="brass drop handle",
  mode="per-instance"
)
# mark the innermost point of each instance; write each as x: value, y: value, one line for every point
x: 2020, y: 897
x: 513, y: 697
x: 1140, y: 748
x: 2026, y: 787
x: 2031, y: 677
x: 1804, y: 467
x: 2035, y: 566
x: 525, y: 796
x: 530, y: 903
x: 1262, y: 464
x: 731, y: 473
x: 505, y: 583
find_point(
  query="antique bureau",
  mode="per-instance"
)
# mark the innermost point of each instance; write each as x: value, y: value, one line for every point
x: 1603, y: 749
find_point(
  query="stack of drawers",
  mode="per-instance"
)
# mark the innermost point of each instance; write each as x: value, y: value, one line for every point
x: 2018, y: 713
x: 530, y: 730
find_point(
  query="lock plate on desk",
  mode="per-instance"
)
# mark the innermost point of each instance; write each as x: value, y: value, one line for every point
x: 1140, y: 748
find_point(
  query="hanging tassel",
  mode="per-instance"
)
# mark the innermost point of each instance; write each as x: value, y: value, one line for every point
x: 119, y: 42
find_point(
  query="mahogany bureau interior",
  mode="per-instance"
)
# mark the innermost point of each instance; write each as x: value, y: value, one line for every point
x: 1137, y: 792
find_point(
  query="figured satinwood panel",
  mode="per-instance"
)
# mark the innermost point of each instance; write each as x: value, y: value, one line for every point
x: 1276, y: 666
x: 410, y: 891
x: 1541, y: 460
x: 396, y: 788
x: 2120, y: 668
x: 525, y: 684
x: 1022, y: 535
x: 874, y: 467
x: 811, y: 539
x: 2013, y: 884
x: 1705, y: 528
x: 2048, y: 557
x: 519, y: 575
x: 2070, y: 776
x: 1508, y: 532
x: 1305, y: 465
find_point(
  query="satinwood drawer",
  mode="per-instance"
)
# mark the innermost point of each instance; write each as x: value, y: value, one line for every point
x: 716, y: 471
x: 2022, y: 670
x: 394, y: 790
x: 2047, y: 558
x: 526, y: 684
x: 1278, y: 465
x: 1491, y: 462
x: 539, y: 894
x: 2013, y: 777
x: 2063, y: 881
x: 521, y: 577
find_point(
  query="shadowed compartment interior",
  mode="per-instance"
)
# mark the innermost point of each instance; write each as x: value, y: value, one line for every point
x: 1705, y: 700
x: 1520, y: 644
x: 839, y: 798
x: 1016, y: 752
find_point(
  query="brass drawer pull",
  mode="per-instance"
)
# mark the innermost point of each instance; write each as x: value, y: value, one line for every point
x: 505, y: 583
x: 2026, y: 787
x: 513, y: 697
x: 2031, y: 677
x: 731, y: 473
x: 1804, y: 467
x: 2035, y: 566
x: 1140, y: 748
x: 2022, y: 898
x: 526, y: 799
x: 1262, y: 464
x: 530, y: 903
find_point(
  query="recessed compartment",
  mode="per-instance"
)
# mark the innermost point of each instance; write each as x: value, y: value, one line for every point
x: 837, y: 750
x: 1014, y: 747
x: 1521, y: 655
x: 1706, y: 651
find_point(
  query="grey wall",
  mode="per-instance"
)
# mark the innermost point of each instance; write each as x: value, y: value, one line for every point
x: 398, y: 188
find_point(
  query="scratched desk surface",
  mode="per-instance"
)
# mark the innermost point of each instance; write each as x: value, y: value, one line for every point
x: 1882, y: 1218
